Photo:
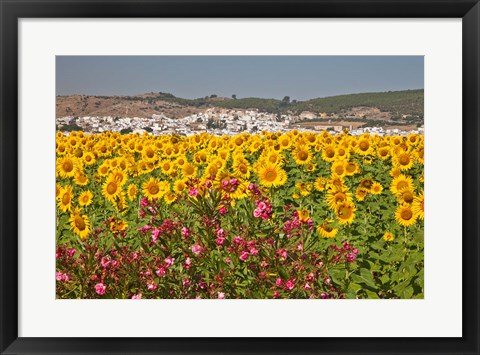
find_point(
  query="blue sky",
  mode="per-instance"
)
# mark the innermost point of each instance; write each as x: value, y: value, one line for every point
x: 300, y: 77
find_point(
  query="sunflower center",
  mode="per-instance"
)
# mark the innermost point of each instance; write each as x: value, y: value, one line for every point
x: 270, y: 175
x: 364, y: 145
x: 339, y: 170
x: 404, y: 159
x: 66, y: 199
x: 189, y: 170
x: 344, y: 212
x: 327, y: 228
x: 153, y: 189
x: 402, y: 185
x: 68, y: 166
x: 340, y: 197
x: 303, y: 155
x: 166, y: 166
x: 408, y: 197
x: 112, y: 188
x: 243, y: 168
x: 406, y: 214
x: 150, y: 153
x: 330, y: 153
x: 79, y: 223
x: 367, y: 184
x: 350, y: 168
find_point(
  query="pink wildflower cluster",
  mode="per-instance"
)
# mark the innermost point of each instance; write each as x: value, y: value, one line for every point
x: 263, y: 210
x: 345, y: 253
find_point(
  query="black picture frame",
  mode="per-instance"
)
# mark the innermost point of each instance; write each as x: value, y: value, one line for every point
x: 13, y: 10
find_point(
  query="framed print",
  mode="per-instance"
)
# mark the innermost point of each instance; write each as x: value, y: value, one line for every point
x: 239, y: 177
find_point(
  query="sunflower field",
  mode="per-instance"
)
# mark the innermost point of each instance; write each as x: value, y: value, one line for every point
x: 268, y: 215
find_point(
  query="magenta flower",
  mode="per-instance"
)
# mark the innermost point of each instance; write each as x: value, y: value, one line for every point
x: 193, y: 192
x: 185, y: 232
x: 279, y: 282
x: 137, y: 297
x: 161, y: 271
x: 100, y: 288
x: 169, y: 261
x: 290, y: 285
x: 220, y: 240
x: 244, y: 255
x: 222, y: 210
x: 105, y: 261
x: 197, y: 249
x: 221, y: 295
x: 71, y: 251
x: 152, y: 286
x: 155, y: 234
x: 257, y: 213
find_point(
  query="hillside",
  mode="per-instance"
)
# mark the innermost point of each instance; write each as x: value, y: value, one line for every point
x: 383, y: 105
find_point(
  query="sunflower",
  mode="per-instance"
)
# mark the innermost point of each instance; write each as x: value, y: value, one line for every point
x: 327, y: 231
x: 65, y: 198
x: 189, y: 170
x: 304, y: 188
x: 345, y: 212
x: 388, y: 237
x: 360, y: 194
x: 118, y: 225
x: 401, y: 182
x: 395, y: 172
x: 85, y: 198
x: 153, y: 188
x: 338, y: 168
x: 111, y: 188
x: 241, y: 167
x: 336, y: 197
x: 285, y: 142
x: 89, y: 158
x: 405, y: 216
x: 179, y: 186
x: 80, y: 224
x: 67, y: 167
x: 403, y: 161
x: 376, y: 189
x: 383, y: 153
x: 166, y: 167
x: 364, y: 146
x: 58, y: 189
x: 320, y: 183
x: 81, y: 179
x: 417, y: 205
x: 170, y: 197
x: 303, y: 215
x: 405, y: 196
x: 271, y: 175
x: 351, y: 168
x: 366, y: 184
x: 103, y: 169
x: 329, y: 152
x: 132, y: 192
x: 302, y: 155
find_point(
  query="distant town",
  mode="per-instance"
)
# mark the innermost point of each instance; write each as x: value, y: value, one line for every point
x: 219, y: 122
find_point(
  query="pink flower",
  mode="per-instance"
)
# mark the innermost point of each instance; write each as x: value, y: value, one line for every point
x: 221, y: 295
x: 220, y: 240
x: 185, y: 232
x: 221, y: 233
x: 208, y: 184
x: 202, y: 285
x: 290, y: 285
x: 71, y: 251
x: 276, y: 294
x: 223, y: 210
x: 257, y: 213
x: 152, y: 286
x: 186, y: 282
x: 100, y: 288
x: 105, y: 261
x: 323, y: 295
x: 224, y: 184
x: 228, y: 260
x: 237, y: 239
x: 193, y: 192
x: 144, y: 202
x: 169, y: 261
x: 307, y: 286
x: 188, y: 263
x: 233, y: 181
x: 197, y: 249
x: 137, y: 297
x: 61, y: 276
x: 279, y: 282
x: 254, y: 251
x: 155, y: 234
x: 161, y: 271
x: 351, y: 257
x: 244, y: 255
x: 262, y: 206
